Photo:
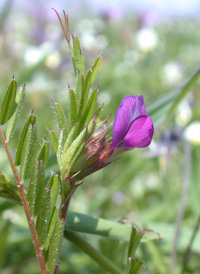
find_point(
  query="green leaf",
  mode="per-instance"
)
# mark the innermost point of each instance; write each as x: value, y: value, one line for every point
x: 54, y: 140
x: 8, y: 189
x: 79, y: 58
x: 31, y: 120
x: 136, y: 267
x: 60, y: 148
x: 160, y: 108
x: 185, y: 89
x: 78, y: 89
x: 44, y: 152
x: 43, y: 216
x: 8, y: 105
x: 35, y: 188
x: 89, y: 109
x: 73, y: 109
x: 134, y: 242
x: 4, y: 233
x: 71, y: 137
x: 52, y: 223
x: 53, y: 185
x: 85, y: 88
x: 61, y: 118
x: 12, y: 122
x: 28, y: 152
x: 72, y: 154
x: 95, y: 68
x: 55, y: 246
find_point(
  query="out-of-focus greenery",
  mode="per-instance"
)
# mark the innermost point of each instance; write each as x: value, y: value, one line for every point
x: 139, y: 57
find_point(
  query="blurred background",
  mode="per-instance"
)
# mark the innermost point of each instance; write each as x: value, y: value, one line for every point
x: 149, y: 47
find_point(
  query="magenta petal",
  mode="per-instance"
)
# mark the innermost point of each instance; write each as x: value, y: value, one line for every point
x: 130, y: 108
x: 140, y: 132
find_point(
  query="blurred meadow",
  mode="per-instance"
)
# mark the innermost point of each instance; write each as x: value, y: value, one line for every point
x: 148, y: 51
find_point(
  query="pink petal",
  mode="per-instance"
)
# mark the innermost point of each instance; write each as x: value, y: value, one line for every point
x: 140, y: 132
x: 130, y: 108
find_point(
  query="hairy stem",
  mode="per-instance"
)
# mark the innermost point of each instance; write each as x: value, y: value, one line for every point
x: 29, y: 217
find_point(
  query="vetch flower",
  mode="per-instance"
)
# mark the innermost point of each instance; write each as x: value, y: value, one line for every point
x: 132, y: 126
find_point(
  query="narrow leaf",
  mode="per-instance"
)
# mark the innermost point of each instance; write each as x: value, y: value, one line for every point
x: 71, y: 137
x: 31, y: 120
x: 40, y: 184
x: 185, y: 89
x: 44, y: 152
x: 55, y: 246
x: 52, y: 223
x: 53, y: 185
x: 4, y: 234
x: 87, y: 114
x: 78, y: 89
x: 60, y: 148
x: 85, y: 88
x: 136, y: 267
x: 35, y: 188
x: 8, y: 105
x: 12, y: 122
x: 61, y: 118
x: 74, y: 159
x: 54, y: 140
x: 79, y: 58
x: 71, y: 156
x: 73, y: 109
x: 43, y: 217
x: 95, y: 68
x: 28, y: 152
x: 133, y: 243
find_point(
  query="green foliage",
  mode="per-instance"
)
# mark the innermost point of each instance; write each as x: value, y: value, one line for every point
x: 36, y: 186
x: 53, y: 185
x: 12, y: 122
x: 55, y: 246
x: 28, y: 152
x: 44, y: 152
x: 4, y: 233
x: 73, y: 109
x: 54, y: 140
x: 136, y: 268
x: 79, y: 58
x: 29, y: 123
x: 88, y: 111
x: 8, y: 106
x: 61, y: 118
x: 151, y: 187
x: 72, y: 154
x: 43, y: 219
x: 8, y: 189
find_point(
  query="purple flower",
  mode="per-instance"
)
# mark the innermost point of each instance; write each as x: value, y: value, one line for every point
x: 132, y: 126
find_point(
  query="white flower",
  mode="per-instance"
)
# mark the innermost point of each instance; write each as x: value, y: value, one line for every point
x: 192, y: 133
x: 146, y: 39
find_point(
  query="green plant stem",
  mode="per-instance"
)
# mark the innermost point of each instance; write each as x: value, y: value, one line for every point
x: 188, y: 250
x: 181, y: 210
x: 34, y: 235
x: 76, y: 239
